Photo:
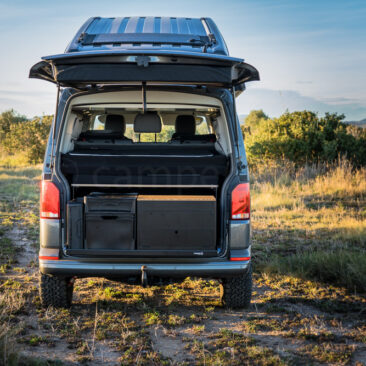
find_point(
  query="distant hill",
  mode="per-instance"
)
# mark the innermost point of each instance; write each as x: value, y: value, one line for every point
x: 361, y: 123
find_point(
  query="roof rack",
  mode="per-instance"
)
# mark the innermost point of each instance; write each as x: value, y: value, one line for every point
x: 199, y: 35
x: 152, y: 38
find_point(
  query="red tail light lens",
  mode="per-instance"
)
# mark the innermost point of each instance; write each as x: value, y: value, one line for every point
x: 50, y: 201
x: 240, y: 202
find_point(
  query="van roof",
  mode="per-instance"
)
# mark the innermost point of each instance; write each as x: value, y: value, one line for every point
x: 199, y: 35
x: 188, y: 51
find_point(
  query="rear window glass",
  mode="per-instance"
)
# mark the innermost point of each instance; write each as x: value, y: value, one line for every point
x: 97, y: 122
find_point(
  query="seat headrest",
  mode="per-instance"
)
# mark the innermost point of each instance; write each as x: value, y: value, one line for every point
x: 115, y: 123
x: 185, y: 125
x: 148, y: 122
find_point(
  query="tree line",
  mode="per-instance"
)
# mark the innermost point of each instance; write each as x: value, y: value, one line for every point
x: 20, y: 135
x: 303, y: 137
x: 300, y: 137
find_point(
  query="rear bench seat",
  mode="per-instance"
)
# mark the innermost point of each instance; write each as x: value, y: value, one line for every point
x: 141, y: 164
x: 185, y: 130
x: 114, y: 129
x: 119, y: 161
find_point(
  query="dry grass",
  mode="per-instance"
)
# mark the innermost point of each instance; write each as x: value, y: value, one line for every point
x: 296, y: 317
x: 313, y: 226
x: 13, y: 161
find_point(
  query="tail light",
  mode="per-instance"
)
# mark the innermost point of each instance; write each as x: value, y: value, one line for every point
x: 50, y: 201
x: 240, y: 202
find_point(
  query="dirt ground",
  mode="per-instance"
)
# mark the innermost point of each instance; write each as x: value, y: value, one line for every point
x: 292, y: 321
x: 289, y: 322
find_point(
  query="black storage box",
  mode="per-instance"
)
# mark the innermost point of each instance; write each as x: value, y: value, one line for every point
x: 110, y: 222
x: 110, y: 203
x: 109, y: 231
x: 176, y: 222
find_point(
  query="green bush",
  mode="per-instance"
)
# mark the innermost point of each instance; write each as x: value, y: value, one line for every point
x: 298, y: 137
x: 303, y: 137
x: 7, y: 119
x: 22, y: 136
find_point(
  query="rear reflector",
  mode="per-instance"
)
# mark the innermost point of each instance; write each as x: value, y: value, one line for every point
x: 49, y: 254
x: 240, y: 202
x: 50, y: 201
x: 240, y: 259
x: 48, y: 258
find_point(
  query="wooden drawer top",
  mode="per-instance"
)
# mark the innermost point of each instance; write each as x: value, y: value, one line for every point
x: 174, y: 198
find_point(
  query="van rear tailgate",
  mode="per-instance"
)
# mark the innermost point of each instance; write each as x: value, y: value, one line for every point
x: 80, y: 69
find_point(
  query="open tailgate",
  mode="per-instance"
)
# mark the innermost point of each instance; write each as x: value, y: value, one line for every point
x: 80, y: 69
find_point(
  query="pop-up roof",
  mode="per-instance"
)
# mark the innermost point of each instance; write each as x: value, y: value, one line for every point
x: 147, y: 50
x: 154, y: 33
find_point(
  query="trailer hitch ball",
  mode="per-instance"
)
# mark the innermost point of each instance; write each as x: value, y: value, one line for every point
x: 144, y: 281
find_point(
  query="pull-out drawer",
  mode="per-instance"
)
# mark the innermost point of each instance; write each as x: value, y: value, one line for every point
x: 102, y: 222
x: 180, y: 224
x: 176, y: 222
x: 110, y: 230
x: 110, y: 203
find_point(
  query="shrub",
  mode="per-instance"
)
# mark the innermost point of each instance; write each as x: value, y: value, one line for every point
x: 28, y: 138
x: 303, y: 137
x: 7, y: 119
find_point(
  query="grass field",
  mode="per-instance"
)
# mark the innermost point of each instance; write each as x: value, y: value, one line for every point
x: 309, y: 300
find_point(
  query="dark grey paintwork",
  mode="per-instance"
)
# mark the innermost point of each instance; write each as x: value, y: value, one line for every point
x: 239, y: 234
x: 235, y: 235
x: 49, y: 233
x: 76, y: 267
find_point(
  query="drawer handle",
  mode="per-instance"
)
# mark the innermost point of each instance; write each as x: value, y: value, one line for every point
x: 109, y: 217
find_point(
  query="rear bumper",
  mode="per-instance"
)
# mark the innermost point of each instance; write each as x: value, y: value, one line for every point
x: 212, y: 269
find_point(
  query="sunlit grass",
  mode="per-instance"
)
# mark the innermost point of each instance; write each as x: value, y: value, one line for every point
x: 295, y: 219
x: 342, y: 267
x: 20, y: 184
x: 13, y: 161
x: 309, y: 253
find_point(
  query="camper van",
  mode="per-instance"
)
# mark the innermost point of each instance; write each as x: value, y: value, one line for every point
x: 145, y: 176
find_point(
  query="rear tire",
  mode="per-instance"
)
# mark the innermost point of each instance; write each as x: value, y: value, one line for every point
x: 55, y: 291
x: 236, y: 292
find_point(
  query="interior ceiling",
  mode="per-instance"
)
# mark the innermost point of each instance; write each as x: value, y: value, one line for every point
x: 168, y: 115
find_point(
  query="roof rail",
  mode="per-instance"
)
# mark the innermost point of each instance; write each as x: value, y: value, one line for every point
x: 151, y: 38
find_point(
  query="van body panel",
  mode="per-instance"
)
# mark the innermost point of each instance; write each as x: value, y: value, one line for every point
x: 239, y: 234
x: 119, y: 270
x: 49, y: 233
x: 98, y: 67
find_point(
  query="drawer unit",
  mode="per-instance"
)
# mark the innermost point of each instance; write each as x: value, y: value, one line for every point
x: 105, y: 222
x: 75, y: 224
x: 166, y: 222
x: 110, y: 203
x: 110, y: 230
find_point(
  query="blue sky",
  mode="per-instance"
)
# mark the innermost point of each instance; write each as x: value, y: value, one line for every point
x: 310, y: 54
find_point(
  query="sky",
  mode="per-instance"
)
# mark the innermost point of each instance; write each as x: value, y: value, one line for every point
x: 311, y: 54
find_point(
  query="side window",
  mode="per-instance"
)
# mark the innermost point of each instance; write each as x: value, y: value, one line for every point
x: 129, y: 132
x: 164, y: 136
x: 97, y: 124
x: 202, y: 127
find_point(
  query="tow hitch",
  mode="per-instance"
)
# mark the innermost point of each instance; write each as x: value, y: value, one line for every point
x: 144, y: 282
